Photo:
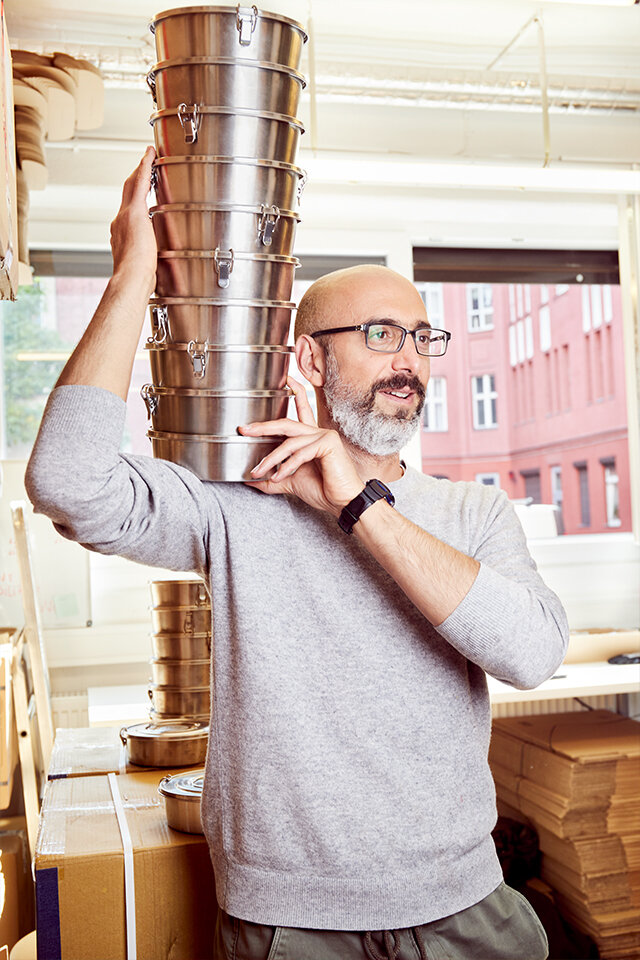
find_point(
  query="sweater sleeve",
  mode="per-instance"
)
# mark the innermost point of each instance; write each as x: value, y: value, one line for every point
x: 509, y: 623
x: 147, y: 510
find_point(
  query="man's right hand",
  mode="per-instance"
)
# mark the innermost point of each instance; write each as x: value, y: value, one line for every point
x: 133, y: 242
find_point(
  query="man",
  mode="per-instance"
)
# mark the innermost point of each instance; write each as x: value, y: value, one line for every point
x: 348, y: 803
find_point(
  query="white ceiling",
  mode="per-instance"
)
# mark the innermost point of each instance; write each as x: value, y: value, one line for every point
x: 407, y: 79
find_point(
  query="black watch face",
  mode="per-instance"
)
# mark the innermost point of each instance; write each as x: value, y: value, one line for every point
x: 377, y: 486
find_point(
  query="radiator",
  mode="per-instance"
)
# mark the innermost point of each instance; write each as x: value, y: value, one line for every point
x: 70, y: 710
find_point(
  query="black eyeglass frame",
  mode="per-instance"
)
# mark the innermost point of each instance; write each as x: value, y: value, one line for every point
x: 389, y: 323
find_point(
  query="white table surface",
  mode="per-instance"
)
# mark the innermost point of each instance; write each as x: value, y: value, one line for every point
x: 130, y: 703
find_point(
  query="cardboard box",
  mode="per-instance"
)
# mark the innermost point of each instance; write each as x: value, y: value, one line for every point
x: 80, y: 878
x: 91, y: 751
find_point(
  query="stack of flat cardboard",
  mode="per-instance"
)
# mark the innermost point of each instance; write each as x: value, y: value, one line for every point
x: 576, y: 777
x: 85, y: 906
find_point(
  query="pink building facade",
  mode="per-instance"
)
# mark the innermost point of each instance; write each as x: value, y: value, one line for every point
x: 531, y: 397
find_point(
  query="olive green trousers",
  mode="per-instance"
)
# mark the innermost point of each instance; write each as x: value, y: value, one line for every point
x: 503, y: 926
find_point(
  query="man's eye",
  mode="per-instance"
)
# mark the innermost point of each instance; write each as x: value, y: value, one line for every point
x: 424, y: 336
x: 379, y: 333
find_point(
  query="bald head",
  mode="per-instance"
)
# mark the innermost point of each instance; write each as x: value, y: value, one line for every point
x: 333, y: 299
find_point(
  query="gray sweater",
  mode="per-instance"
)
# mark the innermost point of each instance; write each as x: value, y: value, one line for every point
x: 347, y: 784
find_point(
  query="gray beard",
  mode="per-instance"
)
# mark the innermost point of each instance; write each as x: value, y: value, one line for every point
x: 376, y: 433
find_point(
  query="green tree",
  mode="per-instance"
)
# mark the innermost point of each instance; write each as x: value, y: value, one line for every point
x: 27, y: 383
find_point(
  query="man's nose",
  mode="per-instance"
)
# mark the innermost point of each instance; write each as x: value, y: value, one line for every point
x: 407, y: 358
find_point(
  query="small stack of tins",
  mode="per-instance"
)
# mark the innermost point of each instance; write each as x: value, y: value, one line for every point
x: 226, y: 88
x: 181, y: 645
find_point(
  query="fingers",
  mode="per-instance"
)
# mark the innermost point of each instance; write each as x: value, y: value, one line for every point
x: 285, y: 450
x: 139, y: 179
x: 270, y: 428
x: 303, y: 407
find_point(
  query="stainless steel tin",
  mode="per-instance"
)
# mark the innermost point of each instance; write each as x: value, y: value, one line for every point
x: 211, y: 31
x: 179, y: 593
x: 194, y: 130
x: 226, y: 82
x: 175, y: 702
x: 181, y: 619
x: 213, y: 367
x: 211, y: 412
x: 229, y: 179
x: 176, y: 320
x: 181, y: 646
x: 180, y: 673
x: 208, y: 273
x: 182, y: 797
x: 204, y: 226
x: 212, y: 458
x: 167, y: 743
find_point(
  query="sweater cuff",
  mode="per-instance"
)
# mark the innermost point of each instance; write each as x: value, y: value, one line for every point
x: 86, y: 412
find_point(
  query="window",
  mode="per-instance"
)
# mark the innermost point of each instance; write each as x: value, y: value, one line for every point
x: 586, y: 310
x: 544, y: 293
x: 611, y: 492
x: 532, y: 486
x: 434, y: 418
x: 583, y: 485
x: 556, y: 495
x: 528, y: 337
x: 480, y: 306
x: 485, y: 402
x: 488, y: 479
x: 431, y: 294
x: 544, y: 318
x: 561, y: 288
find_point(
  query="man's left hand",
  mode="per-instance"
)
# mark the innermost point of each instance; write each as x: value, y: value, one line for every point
x: 311, y: 463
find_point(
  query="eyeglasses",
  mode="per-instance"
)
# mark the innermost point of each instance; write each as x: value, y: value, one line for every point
x: 384, y: 336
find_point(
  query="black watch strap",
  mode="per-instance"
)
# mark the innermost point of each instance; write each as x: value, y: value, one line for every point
x: 374, y: 490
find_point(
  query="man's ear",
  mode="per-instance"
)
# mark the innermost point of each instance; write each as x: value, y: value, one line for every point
x: 311, y: 360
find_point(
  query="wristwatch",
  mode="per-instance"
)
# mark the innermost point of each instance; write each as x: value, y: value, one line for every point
x: 374, y: 490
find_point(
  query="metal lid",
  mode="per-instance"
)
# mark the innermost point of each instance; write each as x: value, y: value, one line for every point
x: 230, y: 112
x: 213, y: 254
x: 229, y: 62
x: 221, y: 207
x: 199, y: 438
x: 185, y: 786
x: 217, y: 302
x: 186, y: 729
x: 152, y: 390
x: 218, y: 348
x: 244, y: 161
x: 261, y: 15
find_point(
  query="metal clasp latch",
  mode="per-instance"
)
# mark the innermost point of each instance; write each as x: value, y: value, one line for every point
x: 246, y: 19
x: 189, y: 121
x: 150, y: 399
x: 203, y: 596
x: 151, y: 83
x: 302, y: 182
x: 160, y: 323
x: 198, y: 353
x: 223, y: 261
x: 267, y: 221
x: 154, y: 177
x: 189, y: 626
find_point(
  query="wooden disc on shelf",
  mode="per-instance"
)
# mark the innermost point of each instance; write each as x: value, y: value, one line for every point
x: 60, y: 91
x: 90, y: 87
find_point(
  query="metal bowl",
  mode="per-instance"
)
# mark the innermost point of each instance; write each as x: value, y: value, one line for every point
x: 181, y: 646
x: 175, y: 320
x: 215, y: 31
x: 226, y: 82
x: 180, y: 673
x: 209, y: 273
x: 174, y: 702
x: 194, y: 130
x: 166, y: 743
x: 179, y: 593
x: 225, y: 459
x: 228, y: 179
x: 181, y: 619
x: 212, y: 367
x: 211, y: 412
x: 182, y: 797
x: 205, y: 226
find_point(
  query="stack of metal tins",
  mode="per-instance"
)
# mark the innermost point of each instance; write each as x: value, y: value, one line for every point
x: 181, y: 645
x: 226, y: 88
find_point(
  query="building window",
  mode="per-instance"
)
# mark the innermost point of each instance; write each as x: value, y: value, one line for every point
x: 532, y: 485
x: 480, y: 306
x: 583, y: 484
x: 528, y: 336
x: 431, y: 294
x: 434, y: 418
x: 544, y: 318
x: 485, y: 402
x: 556, y: 495
x: 488, y: 479
x: 611, y: 492
x: 561, y: 288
